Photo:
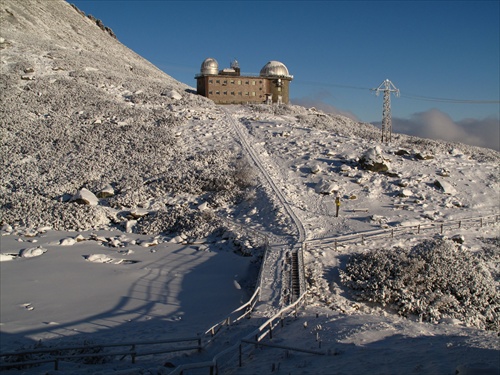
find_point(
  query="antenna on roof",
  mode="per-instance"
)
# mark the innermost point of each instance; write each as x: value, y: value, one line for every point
x: 387, y: 87
x: 234, y: 64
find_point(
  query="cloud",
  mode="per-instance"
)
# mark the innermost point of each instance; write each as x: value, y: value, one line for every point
x: 435, y: 124
x: 317, y: 102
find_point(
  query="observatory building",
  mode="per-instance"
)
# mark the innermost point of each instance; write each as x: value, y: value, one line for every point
x: 228, y: 86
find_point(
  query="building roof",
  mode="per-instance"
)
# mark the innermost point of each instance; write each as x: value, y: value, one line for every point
x: 275, y: 69
x: 209, y: 66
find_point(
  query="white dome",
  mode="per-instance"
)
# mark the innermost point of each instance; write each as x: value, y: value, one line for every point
x: 274, y: 68
x: 209, y: 66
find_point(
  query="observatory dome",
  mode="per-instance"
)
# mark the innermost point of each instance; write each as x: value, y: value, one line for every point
x: 274, y: 68
x: 209, y: 66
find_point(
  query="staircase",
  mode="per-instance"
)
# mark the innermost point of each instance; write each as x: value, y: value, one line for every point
x: 295, y: 276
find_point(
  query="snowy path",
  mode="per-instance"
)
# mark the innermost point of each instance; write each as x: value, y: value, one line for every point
x: 241, y: 134
x: 276, y: 276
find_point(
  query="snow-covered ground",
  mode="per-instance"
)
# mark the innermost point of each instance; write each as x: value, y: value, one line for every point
x: 169, y: 185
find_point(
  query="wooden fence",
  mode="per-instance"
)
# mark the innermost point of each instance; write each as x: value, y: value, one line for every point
x: 437, y: 227
x: 97, y: 351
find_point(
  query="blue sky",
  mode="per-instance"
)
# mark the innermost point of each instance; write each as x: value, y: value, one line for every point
x: 336, y: 51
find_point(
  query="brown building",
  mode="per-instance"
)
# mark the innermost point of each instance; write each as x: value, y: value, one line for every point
x: 228, y: 86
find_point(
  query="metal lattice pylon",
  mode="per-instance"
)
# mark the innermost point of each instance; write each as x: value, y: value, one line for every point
x: 387, y: 87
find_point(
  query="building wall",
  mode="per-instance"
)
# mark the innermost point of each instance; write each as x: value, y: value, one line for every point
x: 281, y: 88
x: 226, y: 89
x: 229, y: 89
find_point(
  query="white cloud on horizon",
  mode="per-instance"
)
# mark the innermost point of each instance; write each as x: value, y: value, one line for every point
x: 435, y: 124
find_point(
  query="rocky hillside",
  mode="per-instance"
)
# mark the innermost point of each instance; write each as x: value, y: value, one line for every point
x: 82, y: 115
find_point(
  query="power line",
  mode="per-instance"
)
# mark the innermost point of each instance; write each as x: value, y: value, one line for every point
x: 447, y: 100
x: 406, y: 96
x: 314, y: 83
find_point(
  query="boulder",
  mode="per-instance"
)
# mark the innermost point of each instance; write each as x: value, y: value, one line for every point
x: 137, y: 213
x: 402, y: 152
x: 85, y: 196
x: 106, y: 192
x: 326, y: 187
x: 204, y: 206
x: 445, y: 186
x: 67, y: 241
x: 443, y: 172
x: 32, y: 252
x: 423, y: 156
x: 372, y: 160
x: 405, y: 193
x: 315, y: 168
x: 172, y: 94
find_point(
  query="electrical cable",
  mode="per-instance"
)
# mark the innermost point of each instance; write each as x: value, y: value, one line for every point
x: 313, y: 83
x: 406, y: 96
x: 446, y: 100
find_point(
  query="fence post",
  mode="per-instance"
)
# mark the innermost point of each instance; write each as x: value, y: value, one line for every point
x: 460, y: 223
x: 241, y: 364
x: 481, y: 220
x: 418, y: 229
x: 441, y: 228
x: 133, y: 353
x: 392, y: 233
x: 335, y: 245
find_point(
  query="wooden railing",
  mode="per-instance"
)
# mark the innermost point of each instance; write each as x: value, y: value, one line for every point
x: 56, y: 354
x: 236, y: 315
x: 438, y: 227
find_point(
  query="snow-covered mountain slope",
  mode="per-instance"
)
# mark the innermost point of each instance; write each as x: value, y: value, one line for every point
x: 106, y: 159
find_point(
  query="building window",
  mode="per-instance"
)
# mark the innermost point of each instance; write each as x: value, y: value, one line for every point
x: 232, y: 81
x: 240, y: 93
x: 210, y: 81
x: 253, y: 83
x: 210, y: 93
x: 239, y: 82
x: 247, y: 82
x: 217, y: 81
x: 253, y: 93
x: 232, y: 93
x: 217, y: 93
x: 225, y: 92
x: 279, y: 88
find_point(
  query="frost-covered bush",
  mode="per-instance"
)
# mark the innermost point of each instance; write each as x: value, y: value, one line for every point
x: 434, y: 280
x: 181, y: 219
x: 36, y: 211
